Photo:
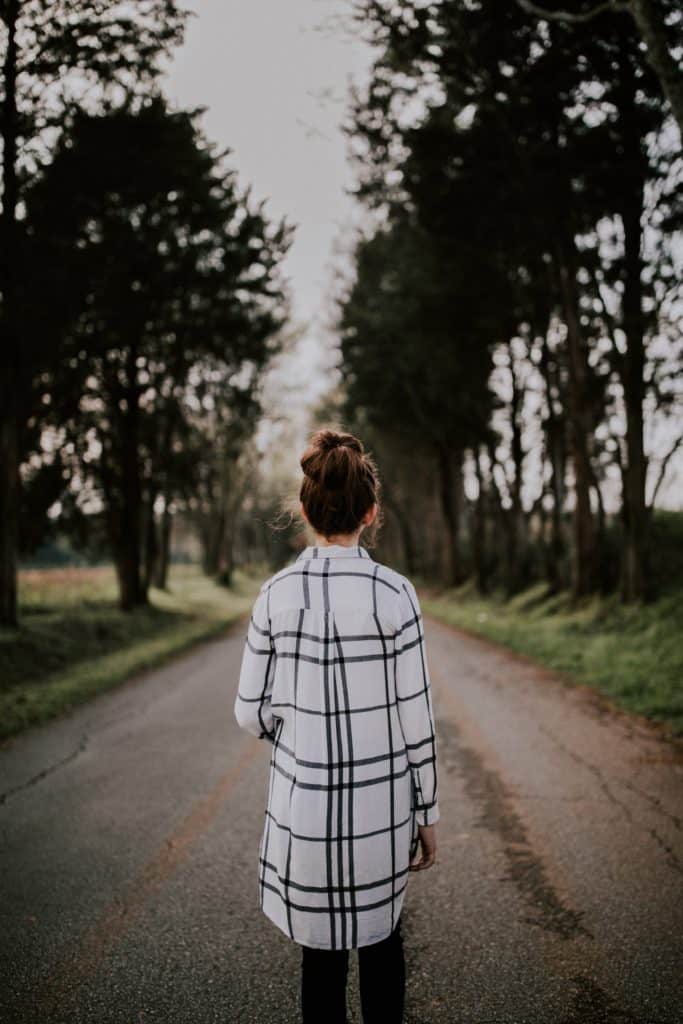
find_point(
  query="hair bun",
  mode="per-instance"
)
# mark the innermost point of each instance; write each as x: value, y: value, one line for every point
x: 340, y: 482
x: 327, y: 440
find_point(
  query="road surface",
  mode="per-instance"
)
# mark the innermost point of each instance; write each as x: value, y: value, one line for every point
x: 129, y: 833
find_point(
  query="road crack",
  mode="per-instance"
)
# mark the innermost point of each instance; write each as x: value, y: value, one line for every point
x: 525, y: 868
x: 671, y: 856
x: 39, y: 776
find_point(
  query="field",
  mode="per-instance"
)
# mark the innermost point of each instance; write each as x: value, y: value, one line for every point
x: 74, y: 641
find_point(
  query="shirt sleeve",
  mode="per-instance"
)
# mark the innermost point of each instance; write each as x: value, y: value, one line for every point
x: 252, y: 704
x: 414, y: 700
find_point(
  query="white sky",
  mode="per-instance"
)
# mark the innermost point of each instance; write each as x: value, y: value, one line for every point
x: 275, y: 75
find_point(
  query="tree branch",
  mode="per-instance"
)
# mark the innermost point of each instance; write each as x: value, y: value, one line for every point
x: 662, y: 61
x: 650, y: 24
x: 663, y: 468
x: 613, y: 6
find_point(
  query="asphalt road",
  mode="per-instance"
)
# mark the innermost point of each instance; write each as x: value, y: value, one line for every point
x: 129, y: 833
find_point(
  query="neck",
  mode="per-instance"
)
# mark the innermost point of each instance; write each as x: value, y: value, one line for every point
x: 346, y: 540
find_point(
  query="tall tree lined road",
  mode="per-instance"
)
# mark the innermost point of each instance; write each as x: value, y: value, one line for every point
x: 130, y: 833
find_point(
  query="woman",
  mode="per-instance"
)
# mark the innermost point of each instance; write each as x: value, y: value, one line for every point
x: 334, y: 674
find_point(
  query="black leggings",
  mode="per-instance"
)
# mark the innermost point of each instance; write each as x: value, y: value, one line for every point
x: 382, y: 975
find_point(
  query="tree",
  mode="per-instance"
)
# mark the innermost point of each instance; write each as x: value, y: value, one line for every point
x: 534, y: 118
x: 56, y: 57
x: 659, y: 23
x: 413, y: 359
x: 164, y: 267
x: 218, y: 454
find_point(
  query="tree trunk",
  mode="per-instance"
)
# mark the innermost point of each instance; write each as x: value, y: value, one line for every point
x: 233, y: 489
x: 163, y: 558
x: 126, y: 535
x: 9, y: 502
x: 151, y: 539
x: 226, y: 564
x: 555, y: 448
x: 479, y: 531
x: 513, y: 571
x: 405, y: 527
x: 211, y: 533
x: 128, y: 544
x: 584, y: 550
x: 633, y: 365
x: 127, y: 558
x: 450, y: 473
x: 9, y: 413
x: 500, y: 520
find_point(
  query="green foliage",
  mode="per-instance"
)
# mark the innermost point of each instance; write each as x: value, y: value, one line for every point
x: 631, y: 654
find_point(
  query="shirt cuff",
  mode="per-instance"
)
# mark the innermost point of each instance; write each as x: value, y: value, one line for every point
x: 427, y: 815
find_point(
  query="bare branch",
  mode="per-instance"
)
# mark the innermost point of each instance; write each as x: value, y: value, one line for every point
x: 574, y: 18
x: 663, y: 467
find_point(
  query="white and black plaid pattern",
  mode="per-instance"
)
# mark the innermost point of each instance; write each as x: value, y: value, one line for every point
x: 334, y: 673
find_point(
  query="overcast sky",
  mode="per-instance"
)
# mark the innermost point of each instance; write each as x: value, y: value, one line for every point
x: 275, y: 79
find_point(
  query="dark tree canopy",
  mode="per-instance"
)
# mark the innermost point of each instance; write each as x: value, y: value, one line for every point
x: 529, y: 152
x: 159, y: 268
x: 56, y: 58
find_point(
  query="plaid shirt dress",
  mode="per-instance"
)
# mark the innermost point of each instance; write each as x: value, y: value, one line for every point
x: 334, y: 675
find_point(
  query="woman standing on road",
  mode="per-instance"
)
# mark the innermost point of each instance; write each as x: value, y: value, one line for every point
x: 334, y: 674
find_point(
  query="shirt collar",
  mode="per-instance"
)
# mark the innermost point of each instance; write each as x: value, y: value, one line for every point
x: 333, y: 551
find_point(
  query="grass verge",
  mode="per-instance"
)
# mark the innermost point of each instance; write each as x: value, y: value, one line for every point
x: 631, y: 654
x: 74, y: 641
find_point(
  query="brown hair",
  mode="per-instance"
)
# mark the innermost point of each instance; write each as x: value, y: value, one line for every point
x: 340, y: 483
